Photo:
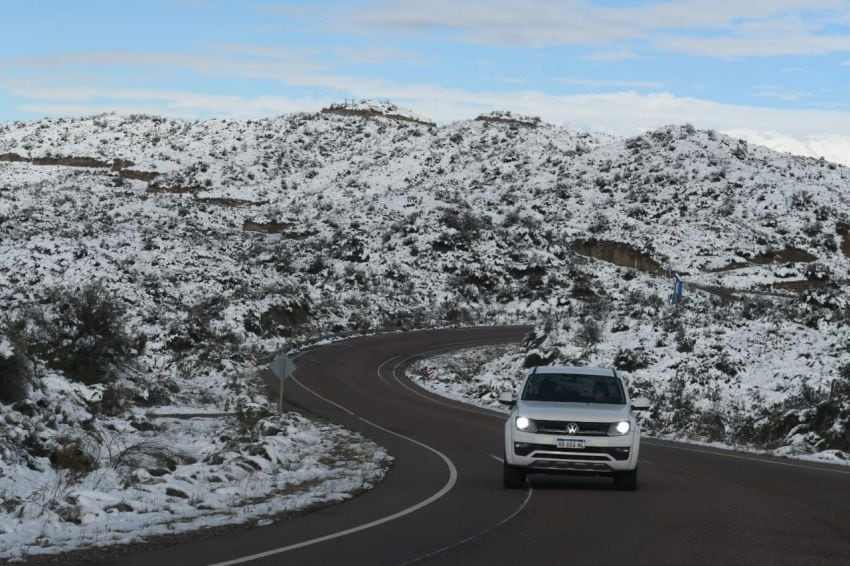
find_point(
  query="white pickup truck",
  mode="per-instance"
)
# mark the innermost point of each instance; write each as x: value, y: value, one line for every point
x: 572, y: 420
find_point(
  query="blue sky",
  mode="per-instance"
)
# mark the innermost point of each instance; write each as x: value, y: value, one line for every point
x: 778, y: 67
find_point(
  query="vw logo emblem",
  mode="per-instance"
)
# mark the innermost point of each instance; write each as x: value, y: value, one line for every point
x: 572, y: 428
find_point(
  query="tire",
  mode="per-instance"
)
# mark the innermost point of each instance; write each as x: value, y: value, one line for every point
x: 513, y: 477
x: 626, y: 481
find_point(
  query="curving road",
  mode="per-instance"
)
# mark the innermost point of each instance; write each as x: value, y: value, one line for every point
x: 442, y: 501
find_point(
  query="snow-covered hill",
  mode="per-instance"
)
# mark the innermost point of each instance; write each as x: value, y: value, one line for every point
x: 215, y: 240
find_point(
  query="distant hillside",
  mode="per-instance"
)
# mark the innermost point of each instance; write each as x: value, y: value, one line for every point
x: 226, y: 237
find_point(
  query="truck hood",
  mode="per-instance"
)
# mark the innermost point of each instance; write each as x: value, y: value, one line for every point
x: 582, y: 412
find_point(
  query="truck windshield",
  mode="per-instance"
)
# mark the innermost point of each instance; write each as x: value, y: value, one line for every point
x: 574, y: 388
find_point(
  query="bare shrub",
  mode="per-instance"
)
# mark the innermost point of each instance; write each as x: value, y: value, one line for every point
x: 632, y: 359
x: 102, y: 448
x: 684, y: 343
x: 72, y: 454
x: 589, y: 333
x: 83, y: 334
x: 599, y: 223
x: 248, y: 418
x: 15, y: 373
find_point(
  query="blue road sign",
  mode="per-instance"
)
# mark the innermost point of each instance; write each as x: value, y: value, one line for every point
x: 678, y: 288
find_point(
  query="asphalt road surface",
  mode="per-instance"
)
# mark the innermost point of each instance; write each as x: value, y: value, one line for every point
x: 442, y: 501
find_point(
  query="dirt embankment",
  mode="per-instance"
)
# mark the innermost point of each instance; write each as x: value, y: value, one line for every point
x: 231, y: 202
x: 787, y: 255
x: 799, y: 286
x: 71, y: 161
x: 509, y: 121
x: 617, y: 253
x: 13, y: 158
x: 177, y: 190
x: 117, y: 164
x: 287, y: 230
x: 66, y: 161
x: 374, y: 114
x: 266, y: 227
x: 138, y: 175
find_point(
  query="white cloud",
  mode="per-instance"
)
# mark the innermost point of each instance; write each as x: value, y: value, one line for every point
x: 751, y: 28
x: 761, y: 45
x: 612, y: 83
x: 610, y: 55
x: 181, y: 104
x: 832, y: 147
x: 779, y: 93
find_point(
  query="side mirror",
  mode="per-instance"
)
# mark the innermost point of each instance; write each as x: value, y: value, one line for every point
x: 507, y: 398
x: 640, y: 404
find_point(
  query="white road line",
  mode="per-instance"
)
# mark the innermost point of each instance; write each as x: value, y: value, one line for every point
x: 482, y: 533
x: 751, y: 458
x: 381, y: 369
x: 444, y: 490
x: 337, y: 405
x: 496, y: 457
x: 495, y: 414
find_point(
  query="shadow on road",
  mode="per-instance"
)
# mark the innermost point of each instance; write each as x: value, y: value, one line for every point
x: 543, y: 482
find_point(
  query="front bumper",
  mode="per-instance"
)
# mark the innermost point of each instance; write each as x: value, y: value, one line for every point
x: 602, y: 454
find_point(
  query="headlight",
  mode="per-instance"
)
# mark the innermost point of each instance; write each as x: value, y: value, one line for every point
x: 620, y: 428
x: 525, y: 424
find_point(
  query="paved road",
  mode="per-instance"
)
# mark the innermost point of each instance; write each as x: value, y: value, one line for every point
x: 442, y: 501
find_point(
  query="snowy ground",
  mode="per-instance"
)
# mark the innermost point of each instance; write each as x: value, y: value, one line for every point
x: 121, y: 480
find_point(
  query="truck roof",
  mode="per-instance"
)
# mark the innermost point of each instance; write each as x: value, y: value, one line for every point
x: 574, y: 369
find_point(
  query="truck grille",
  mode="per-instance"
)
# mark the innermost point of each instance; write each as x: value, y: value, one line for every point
x: 584, y: 429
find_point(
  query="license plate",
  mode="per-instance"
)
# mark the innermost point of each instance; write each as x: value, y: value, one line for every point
x: 574, y: 443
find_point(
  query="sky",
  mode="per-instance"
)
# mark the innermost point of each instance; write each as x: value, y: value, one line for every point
x: 773, y: 71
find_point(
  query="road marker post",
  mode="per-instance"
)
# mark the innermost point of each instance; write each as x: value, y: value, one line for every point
x: 678, y: 288
x: 282, y: 366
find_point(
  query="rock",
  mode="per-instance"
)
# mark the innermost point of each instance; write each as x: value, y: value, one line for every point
x: 121, y: 507
x: 26, y: 407
x: 174, y: 492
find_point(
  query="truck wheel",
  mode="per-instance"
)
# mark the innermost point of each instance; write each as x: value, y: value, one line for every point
x: 626, y: 481
x: 513, y: 477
